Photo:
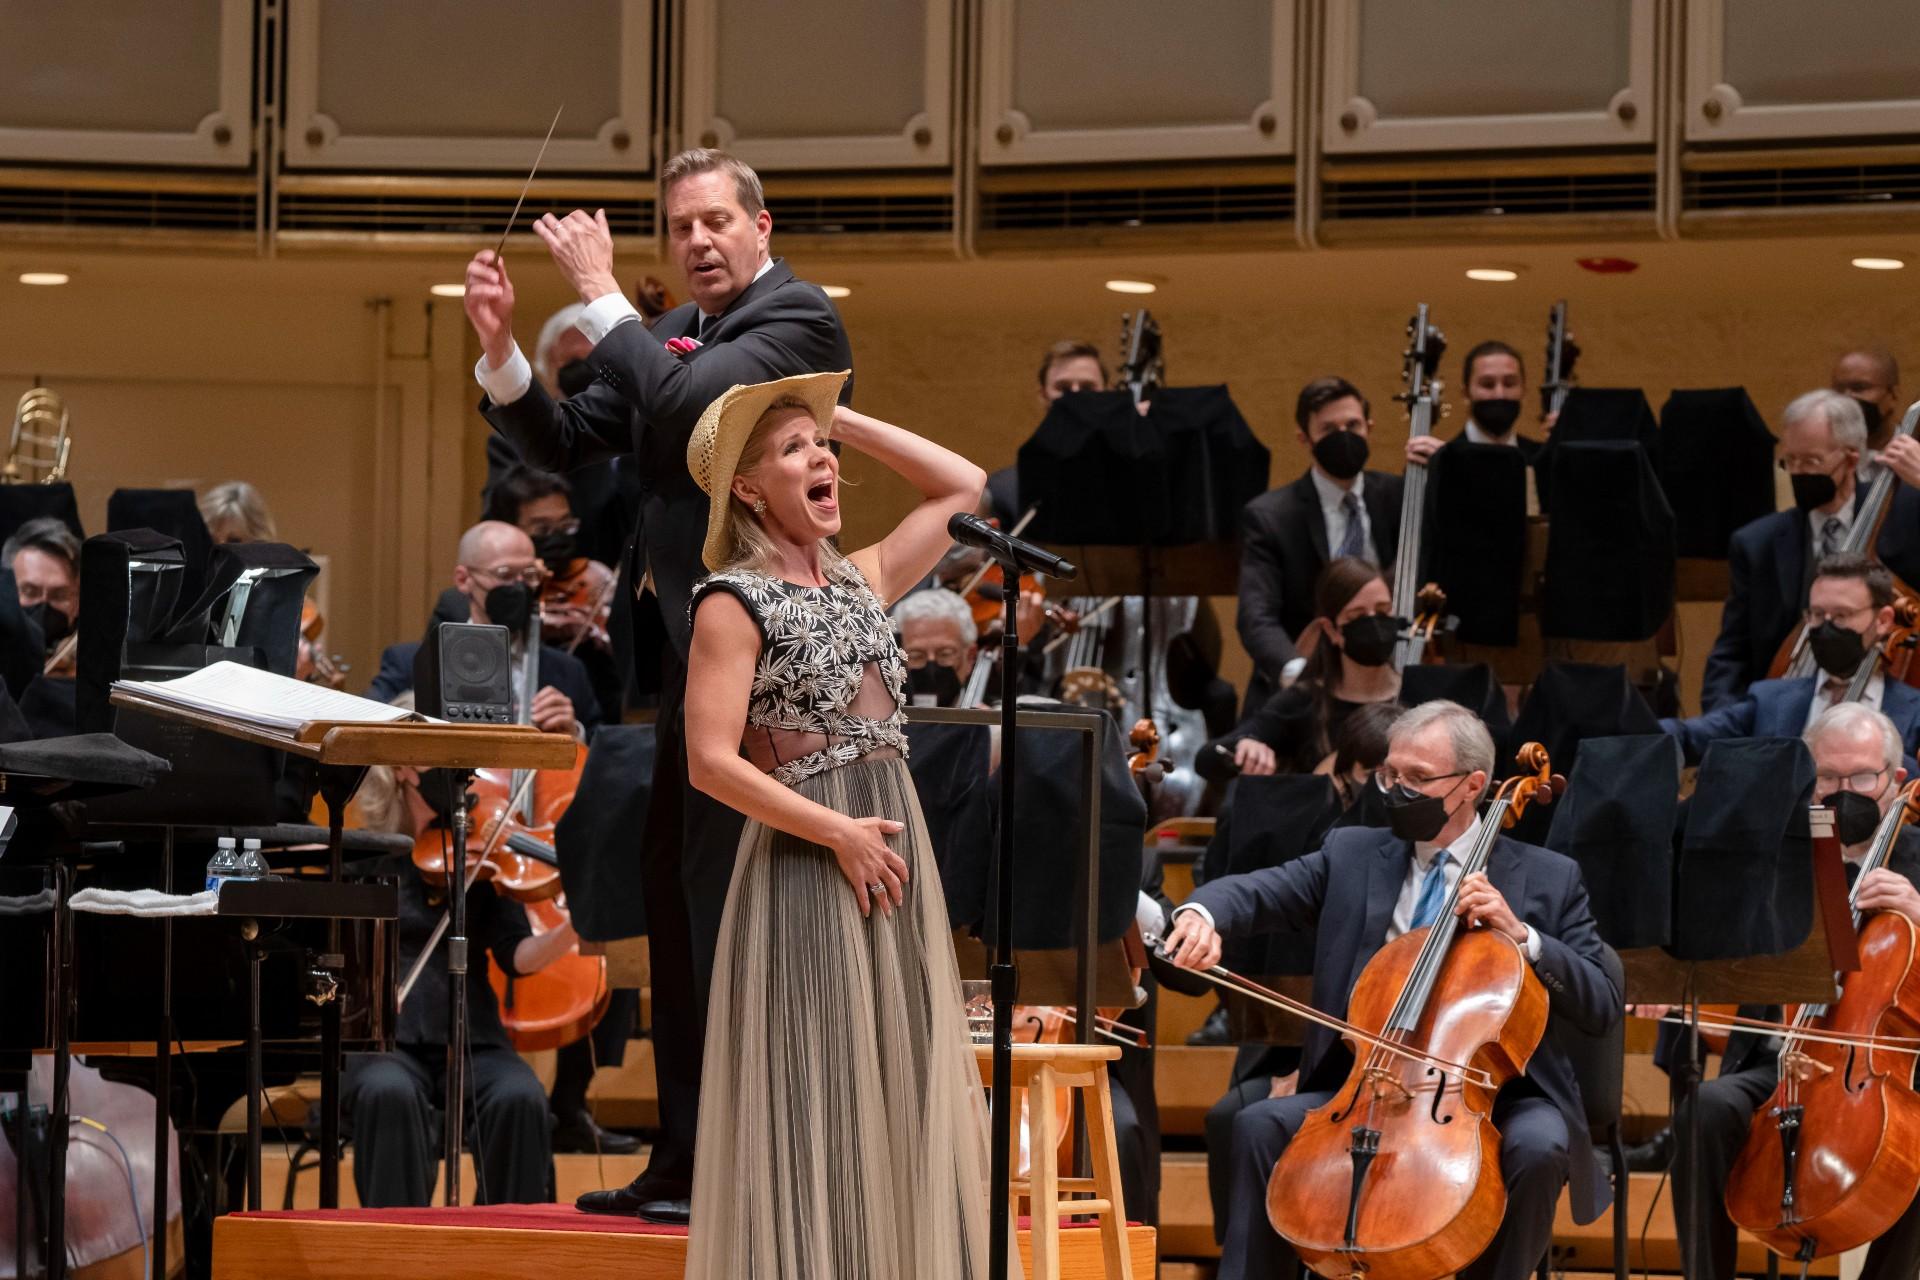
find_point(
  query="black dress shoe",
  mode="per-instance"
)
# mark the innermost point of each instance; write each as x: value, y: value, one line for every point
x: 639, y: 1198
x: 1653, y: 1155
x: 579, y: 1132
x: 1213, y: 1030
x: 668, y: 1213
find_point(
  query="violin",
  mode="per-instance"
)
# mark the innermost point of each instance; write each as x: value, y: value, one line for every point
x: 1833, y: 1157
x: 314, y: 664
x: 1398, y: 1177
x: 576, y: 604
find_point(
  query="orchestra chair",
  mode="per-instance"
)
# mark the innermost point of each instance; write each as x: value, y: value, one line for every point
x: 290, y: 1110
x: 1040, y: 1069
x: 1599, y: 1064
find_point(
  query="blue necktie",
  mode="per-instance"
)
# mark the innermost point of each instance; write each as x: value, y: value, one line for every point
x: 1432, y: 890
x: 1354, y: 541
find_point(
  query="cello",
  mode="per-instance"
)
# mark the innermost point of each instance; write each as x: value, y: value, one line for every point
x: 1836, y: 1160
x: 1398, y: 1177
x: 1419, y: 606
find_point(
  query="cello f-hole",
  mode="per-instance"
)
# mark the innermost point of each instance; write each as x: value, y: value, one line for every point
x: 1439, y: 1096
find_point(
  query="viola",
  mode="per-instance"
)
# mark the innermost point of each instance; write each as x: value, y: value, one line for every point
x: 1833, y: 1157
x: 576, y: 604
x: 1398, y: 1177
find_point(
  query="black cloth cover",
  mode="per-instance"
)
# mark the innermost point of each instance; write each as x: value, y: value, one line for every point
x: 1478, y: 537
x: 1617, y: 821
x: 1471, y: 684
x: 1274, y: 820
x: 46, y: 710
x: 174, y: 512
x: 1049, y: 839
x: 949, y: 767
x: 20, y: 503
x: 271, y: 620
x: 23, y: 648
x: 74, y: 767
x: 111, y: 618
x: 598, y: 838
x: 1745, y: 874
x: 1590, y: 415
x: 1103, y: 474
x: 1570, y: 702
x: 1609, y: 572
x: 1716, y: 466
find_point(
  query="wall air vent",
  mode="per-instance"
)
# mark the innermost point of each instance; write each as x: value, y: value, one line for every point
x: 1865, y: 186
x: 344, y: 209
x: 78, y: 205
x: 1122, y: 206
x: 862, y: 214
x: 1487, y: 196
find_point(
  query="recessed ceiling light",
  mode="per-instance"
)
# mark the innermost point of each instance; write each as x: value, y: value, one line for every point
x: 1132, y: 286
x: 448, y: 291
x: 43, y: 277
x: 1879, y: 264
x: 836, y: 291
x: 1493, y: 275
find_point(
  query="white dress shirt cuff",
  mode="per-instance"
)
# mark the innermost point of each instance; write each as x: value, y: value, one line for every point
x: 1203, y: 913
x: 603, y: 314
x: 507, y: 383
x: 1533, y: 946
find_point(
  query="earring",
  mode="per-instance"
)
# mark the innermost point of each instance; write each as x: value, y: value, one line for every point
x: 759, y: 506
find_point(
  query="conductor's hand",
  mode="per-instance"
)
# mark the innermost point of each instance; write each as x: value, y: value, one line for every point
x: 1481, y: 904
x: 1884, y: 890
x: 1193, y: 944
x: 1255, y: 758
x: 1902, y: 456
x: 582, y: 247
x: 552, y: 712
x: 489, y: 304
x: 1420, y: 449
x: 866, y: 860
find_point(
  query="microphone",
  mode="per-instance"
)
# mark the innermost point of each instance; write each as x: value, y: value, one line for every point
x: 970, y: 530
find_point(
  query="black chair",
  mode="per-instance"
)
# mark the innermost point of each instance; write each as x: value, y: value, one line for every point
x: 1599, y: 1064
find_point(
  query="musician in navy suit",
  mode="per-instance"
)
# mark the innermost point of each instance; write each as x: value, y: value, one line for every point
x: 750, y: 320
x: 1850, y: 608
x: 1365, y: 887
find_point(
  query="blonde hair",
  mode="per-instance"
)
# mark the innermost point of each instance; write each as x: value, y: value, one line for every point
x: 381, y: 799
x: 239, y: 504
x: 748, y: 546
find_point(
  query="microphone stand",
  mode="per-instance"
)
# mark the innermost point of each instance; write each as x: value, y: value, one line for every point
x: 1004, y: 976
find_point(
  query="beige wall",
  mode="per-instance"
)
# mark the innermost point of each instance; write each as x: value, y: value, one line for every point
x: 191, y: 371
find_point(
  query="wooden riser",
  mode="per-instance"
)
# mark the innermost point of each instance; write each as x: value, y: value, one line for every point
x: 246, y: 1248
x: 573, y: 1174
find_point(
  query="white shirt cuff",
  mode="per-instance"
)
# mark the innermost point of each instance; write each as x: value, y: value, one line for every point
x: 1195, y: 907
x: 603, y: 314
x: 507, y: 383
x: 1533, y: 946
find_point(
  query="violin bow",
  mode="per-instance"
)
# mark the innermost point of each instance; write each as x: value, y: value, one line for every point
x: 528, y: 185
x: 967, y: 587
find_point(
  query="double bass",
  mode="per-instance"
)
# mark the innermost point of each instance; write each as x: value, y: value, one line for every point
x: 1398, y: 1177
x: 1833, y: 1157
x: 1419, y: 606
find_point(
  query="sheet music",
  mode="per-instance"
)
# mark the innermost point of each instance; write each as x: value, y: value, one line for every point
x: 262, y: 699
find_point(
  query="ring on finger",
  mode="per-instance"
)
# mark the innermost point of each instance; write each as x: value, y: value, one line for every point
x: 876, y: 890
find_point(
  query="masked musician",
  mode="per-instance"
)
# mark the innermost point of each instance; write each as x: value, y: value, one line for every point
x: 1496, y: 389
x: 1856, y: 758
x: 750, y: 320
x: 1849, y: 612
x: 392, y: 1099
x: 1337, y: 508
x: 1365, y: 887
x: 44, y: 558
x: 1770, y: 560
x: 1871, y: 376
x: 500, y: 577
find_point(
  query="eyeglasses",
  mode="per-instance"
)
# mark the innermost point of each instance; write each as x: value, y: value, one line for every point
x: 531, y: 575
x: 1817, y: 616
x: 541, y: 528
x: 1867, y: 784
x: 947, y: 655
x: 1386, y: 777
x: 1809, y: 463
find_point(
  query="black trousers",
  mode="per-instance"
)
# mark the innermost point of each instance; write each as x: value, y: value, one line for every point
x: 1727, y: 1106
x: 575, y: 1063
x: 686, y: 865
x: 392, y: 1102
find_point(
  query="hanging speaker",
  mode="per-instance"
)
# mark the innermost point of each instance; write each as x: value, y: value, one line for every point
x: 464, y: 671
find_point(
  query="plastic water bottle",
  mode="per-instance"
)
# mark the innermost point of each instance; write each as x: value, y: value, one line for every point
x: 224, y: 865
x: 252, y: 865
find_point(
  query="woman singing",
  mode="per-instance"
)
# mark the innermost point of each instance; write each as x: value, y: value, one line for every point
x: 842, y: 1132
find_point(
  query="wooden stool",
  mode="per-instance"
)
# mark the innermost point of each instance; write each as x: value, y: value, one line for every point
x: 1040, y: 1069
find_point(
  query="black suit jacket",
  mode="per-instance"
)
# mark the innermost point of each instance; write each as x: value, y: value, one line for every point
x: 647, y: 400
x: 1346, y: 891
x: 557, y: 668
x: 1283, y: 548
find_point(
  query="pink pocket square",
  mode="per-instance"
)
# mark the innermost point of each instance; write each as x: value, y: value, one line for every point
x: 683, y: 346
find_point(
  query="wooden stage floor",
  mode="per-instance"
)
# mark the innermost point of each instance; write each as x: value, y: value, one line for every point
x: 508, y: 1242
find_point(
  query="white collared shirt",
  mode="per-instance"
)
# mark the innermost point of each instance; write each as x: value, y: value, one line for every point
x: 1333, y: 510
x: 1832, y: 688
x: 1477, y: 435
x: 602, y: 316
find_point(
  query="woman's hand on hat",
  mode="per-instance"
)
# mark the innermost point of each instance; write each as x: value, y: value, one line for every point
x: 582, y: 247
x: 867, y: 860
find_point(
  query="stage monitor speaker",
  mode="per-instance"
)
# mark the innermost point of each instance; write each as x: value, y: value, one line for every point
x: 464, y: 672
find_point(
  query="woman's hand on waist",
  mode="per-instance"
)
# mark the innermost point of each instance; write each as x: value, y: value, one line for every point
x: 866, y: 860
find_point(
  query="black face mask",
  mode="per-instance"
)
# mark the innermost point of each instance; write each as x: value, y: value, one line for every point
x: 574, y: 377
x: 1811, y: 492
x: 1871, y: 412
x: 1496, y: 417
x: 1836, y: 649
x: 1341, y: 454
x: 1413, y: 816
x: 509, y: 605
x: 935, y: 681
x: 53, y: 624
x: 1369, y: 639
x: 556, y: 550
x: 1855, y: 817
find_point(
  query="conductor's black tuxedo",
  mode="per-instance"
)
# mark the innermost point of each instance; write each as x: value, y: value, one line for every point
x: 645, y: 402
x: 1346, y: 891
x: 1283, y: 548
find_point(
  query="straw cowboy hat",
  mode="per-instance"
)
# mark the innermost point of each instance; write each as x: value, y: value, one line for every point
x: 714, y: 449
